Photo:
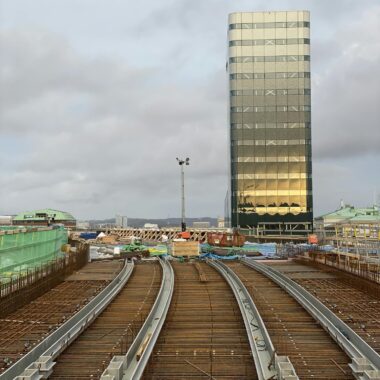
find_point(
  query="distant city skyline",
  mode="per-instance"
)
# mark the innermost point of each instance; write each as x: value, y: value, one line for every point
x: 98, y: 98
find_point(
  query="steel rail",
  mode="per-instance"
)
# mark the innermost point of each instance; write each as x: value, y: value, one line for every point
x: 38, y: 363
x: 132, y: 365
x: 365, y: 360
x: 268, y: 364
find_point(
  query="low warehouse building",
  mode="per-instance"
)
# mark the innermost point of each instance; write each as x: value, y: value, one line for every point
x: 44, y: 217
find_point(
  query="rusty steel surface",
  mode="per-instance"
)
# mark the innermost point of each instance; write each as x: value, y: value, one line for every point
x: 204, y: 336
x: 21, y: 330
x: 114, y: 330
x: 27, y: 286
x: 354, y: 300
x: 293, y: 331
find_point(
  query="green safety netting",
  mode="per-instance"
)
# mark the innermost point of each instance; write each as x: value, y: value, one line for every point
x: 158, y: 250
x: 29, y: 248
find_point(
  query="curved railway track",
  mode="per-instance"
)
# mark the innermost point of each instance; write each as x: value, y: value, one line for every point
x: 293, y: 331
x: 204, y: 334
x: 352, y: 299
x: 21, y: 330
x: 114, y: 330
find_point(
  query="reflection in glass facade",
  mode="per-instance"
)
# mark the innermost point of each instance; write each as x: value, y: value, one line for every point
x: 269, y: 89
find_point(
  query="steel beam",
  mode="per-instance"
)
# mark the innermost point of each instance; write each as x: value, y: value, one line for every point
x: 41, y: 357
x: 365, y: 360
x: 268, y: 364
x: 132, y: 365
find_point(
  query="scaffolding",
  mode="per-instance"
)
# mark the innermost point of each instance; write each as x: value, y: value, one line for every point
x: 352, y: 247
x: 25, y: 248
x: 355, y: 239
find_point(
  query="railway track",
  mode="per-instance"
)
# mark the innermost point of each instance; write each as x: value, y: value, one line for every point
x: 354, y: 300
x: 268, y: 363
x: 114, y: 330
x: 204, y: 334
x: 293, y: 331
x: 21, y: 330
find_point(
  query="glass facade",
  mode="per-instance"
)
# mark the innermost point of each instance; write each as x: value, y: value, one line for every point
x: 270, y: 124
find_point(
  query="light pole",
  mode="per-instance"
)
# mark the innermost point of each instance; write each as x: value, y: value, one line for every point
x: 181, y: 164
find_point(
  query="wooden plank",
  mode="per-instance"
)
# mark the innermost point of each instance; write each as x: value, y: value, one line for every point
x: 185, y: 248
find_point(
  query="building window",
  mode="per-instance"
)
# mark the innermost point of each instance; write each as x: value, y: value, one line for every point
x: 270, y: 58
x: 270, y: 25
x: 271, y: 75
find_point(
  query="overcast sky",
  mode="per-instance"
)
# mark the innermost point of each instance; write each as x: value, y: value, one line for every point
x: 98, y: 98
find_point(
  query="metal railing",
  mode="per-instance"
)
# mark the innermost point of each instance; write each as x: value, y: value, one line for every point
x: 39, y: 361
x: 365, y: 360
x: 132, y: 365
x: 268, y: 363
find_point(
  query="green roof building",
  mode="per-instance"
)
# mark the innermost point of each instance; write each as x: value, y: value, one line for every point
x: 349, y: 214
x: 44, y: 217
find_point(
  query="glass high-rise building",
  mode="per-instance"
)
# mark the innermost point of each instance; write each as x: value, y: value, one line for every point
x: 270, y: 130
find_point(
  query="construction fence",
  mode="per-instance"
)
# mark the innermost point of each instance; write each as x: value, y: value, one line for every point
x: 29, y: 285
x: 24, y: 248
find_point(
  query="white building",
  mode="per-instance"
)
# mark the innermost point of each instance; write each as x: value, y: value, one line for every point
x: 5, y: 220
x: 121, y: 221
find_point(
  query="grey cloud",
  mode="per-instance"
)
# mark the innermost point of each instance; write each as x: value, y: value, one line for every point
x: 43, y: 79
x: 98, y: 134
x: 112, y: 134
x: 353, y: 180
x: 347, y: 93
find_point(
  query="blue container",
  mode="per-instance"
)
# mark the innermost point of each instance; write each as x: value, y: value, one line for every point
x: 88, y: 235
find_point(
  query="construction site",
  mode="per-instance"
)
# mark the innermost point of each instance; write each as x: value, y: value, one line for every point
x: 105, y: 105
x: 202, y: 309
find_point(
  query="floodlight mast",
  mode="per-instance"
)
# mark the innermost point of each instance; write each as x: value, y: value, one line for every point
x: 181, y: 163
